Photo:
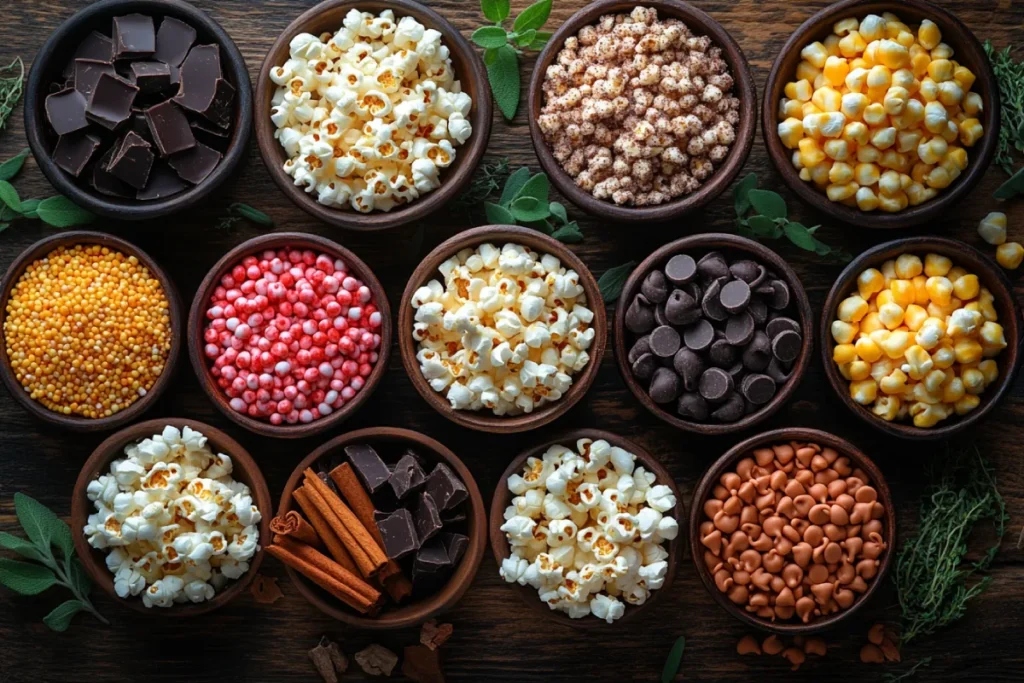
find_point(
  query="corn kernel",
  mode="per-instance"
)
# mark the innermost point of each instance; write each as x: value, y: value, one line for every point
x: 844, y: 370
x: 912, y: 116
x: 870, y: 54
x: 844, y: 353
x: 893, y: 55
x: 816, y: 54
x: 805, y: 71
x: 838, y: 150
x: 1010, y: 255
x: 880, y: 369
x: 919, y: 362
x: 967, y: 351
x: 872, y: 27
x: 883, y: 138
x: 953, y: 391
x: 930, y: 333
x: 958, y: 157
x: 935, y: 116
x: 868, y: 155
x: 790, y: 109
x: 908, y: 266
x: 972, y: 104
x: 964, y: 77
x: 856, y: 132
x: 891, y: 315
x: 992, y: 336
x: 799, y: 90
x: 871, y: 323
x: 974, y: 380
x: 819, y: 82
x: 914, y: 316
x: 966, y: 404
x: 887, y: 407
x: 941, y: 51
x: 908, y: 140
x: 950, y: 93
x: 894, y: 383
x: 919, y: 392
x: 934, y: 382
x: 857, y: 79
x: 810, y: 153
x: 840, y: 173
x: 896, y: 344
x: 866, y: 199
x: 936, y: 265
x: 859, y: 370
x: 889, y: 271
x: 940, y: 290
x: 819, y: 173
x: 902, y: 293
x: 951, y: 132
x: 966, y: 286
x: 940, y: 70
x: 853, y: 104
x: 918, y: 193
x: 956, y: 272
x: 791, y: 131
x: 939, y: 178
x: 944, y: 357
x: 919, y: 60
x: 827, y: 99
x: 852, y: 44
x: 843, y: 332
x: 920, y: 290
x: 868, y: 350
x: 852, y: 309
x: 838, y: 193
x: 928, y: 34
x: 864, y: 391
x: 990, y: 370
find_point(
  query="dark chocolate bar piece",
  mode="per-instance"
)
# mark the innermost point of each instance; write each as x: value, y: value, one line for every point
x: 134, y: 36
x: 151, y: 77
x: 163, y: 183
x: 220, y: 110
x: 95, y: 46
x: 199, y: 75
x: 132, y: 160
x: 428, y: 518
x: 65, y: 111
x: 445, y: 487
x: 74, y: 151
x: 453, y: 516
x: 368, y: 465
x: 429, y: 563
x: 195, y: 163
x: 398, y: 532
x: 173, y: 41
x: 110, y: 104
x: 408, y: 475
x: 87, y: 72
x: 169, y: 128
x: 105, y: 183
x: 455, y: 545
x: 213, y: 131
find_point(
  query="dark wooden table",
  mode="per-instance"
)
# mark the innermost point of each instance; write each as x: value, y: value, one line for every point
x: 496, y: 636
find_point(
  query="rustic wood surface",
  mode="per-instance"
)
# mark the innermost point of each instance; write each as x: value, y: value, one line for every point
x: 496, y: 636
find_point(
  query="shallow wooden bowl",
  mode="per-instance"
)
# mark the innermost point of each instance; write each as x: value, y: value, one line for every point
x: 197, y: 323
x: 743, y: 449
x: 94, y: 561
x: 55, y: 53
x: 415, y: 613
x: 699, y: 245
x: 967, y: 50
x: 701, y: 23
x: 469, y: 70
x: 484, y: 420
x: 1007, y: 306
x: 74, y: 422
x: 502, y: 551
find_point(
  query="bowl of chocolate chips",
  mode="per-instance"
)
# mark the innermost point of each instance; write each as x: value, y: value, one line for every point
x: 138, y: 108
x: 713, y: 333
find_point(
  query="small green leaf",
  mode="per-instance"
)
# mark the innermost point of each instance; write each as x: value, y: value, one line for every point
x: 252, y: 214
x: 813, y: 229
x: 568, y: 234
x: 29, y: 207
x: 540, y: 226
x: 61, y: 212
x: 674, y: 661
x: 537, y: 187
x: 9, y: 196
x: 529, y: 209
x: 613, y: 280
x: 490, y: 57
x: 12, y: 166
x: 558, y: 211
x: 740, y: 194
x: 767, y: 203
x: 503, y: 75
x: 1012, y: 187
x: 762, y: 226
x: 496, y: 10
x: 798, y: 235
x: 38, y: 521
x: 80, y: 581
x: 490, y: 37
x: 514, y: 183
x: 60, y: 618
x: 540, y: 40
x: 25, y: 578
x: 525, y: 39
x: 533, y: 16
x: 19, y: 545
x: 498, y: 215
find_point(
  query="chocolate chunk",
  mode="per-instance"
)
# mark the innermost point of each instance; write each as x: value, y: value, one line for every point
x: 745, y: 270
x: 134, y: 36
x: 694, y: 290
x: 427, y: 518
x: 430, y: 560
x: 758, y: 310
x: 407, y: 476
x: 722, y: 353
x: 220, y: 110
x: 643, y: 367
x: 169, y: 127
x: 715, y: 384
x: 173, y: 41
x: 110, y: 104
x: 699, y: 336
x: 655, y: 287
x: 455, y: 545
x: 739, y: 330
x: 681, y: 308
x: 664, y: 341
x: 758, y: 353
x: 379, y: 515
x: 736, y: 371
x: 95, y: 46
x: 151, y: 76
x: 453, y: 516
x: 216, y: 132
x: 680, y: 269
x: 422, y: 664
x: 368, y: 465
x: 195, y: 164
x: 323, y: 476
x: 398, y: 532
x: 786, y: 346
x: 777, y: 372
x: 735, y: 296
x: 731, y: 410
x: 199, y: 75
x: 640, y: 347
x: 640, y: 315
x: 689, y: 366
x: 758, y: 389
x: 87, y: 72
x: 712, y: 304
x: 163, y: 183
x: 132, y: 161
x: 105, y: 183
x: 445, y: 487
x: 781, y: 324
x: 665, y: 386
x: 693, y: 407
x: 65, y: 111
x: 713, y: 266
x: 780, y: 295
x: 74, y: 151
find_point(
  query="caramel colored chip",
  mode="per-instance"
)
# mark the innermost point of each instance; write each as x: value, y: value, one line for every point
x: 265, y: 590
x: 434, y: 635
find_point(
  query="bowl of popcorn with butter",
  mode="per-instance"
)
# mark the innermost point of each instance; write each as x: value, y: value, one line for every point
x: 586, y: 526
x: 170, y: 516
x: 372, y: 114
x: 502, y: 329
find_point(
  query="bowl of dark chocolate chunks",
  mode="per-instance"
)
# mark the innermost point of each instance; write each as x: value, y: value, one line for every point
x: 138, y: 108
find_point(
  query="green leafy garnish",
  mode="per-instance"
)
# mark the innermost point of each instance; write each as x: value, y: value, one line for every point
x: 770, y: 220
x: 488, y: 179
x: 12, y: 83
x: 12, y: 166
x: 909, y: 673
x: 613, y: 280
x: 1010, y: 77
x: 238, y: 211
x: 503, y: 46
x: 1012, y: 187
x: 59, y: 211
x: 525, y: 201
x: 46, y: 532
x: 674, y: 661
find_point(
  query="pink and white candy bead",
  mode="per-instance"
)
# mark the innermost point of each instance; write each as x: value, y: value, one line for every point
x: 292, y: 335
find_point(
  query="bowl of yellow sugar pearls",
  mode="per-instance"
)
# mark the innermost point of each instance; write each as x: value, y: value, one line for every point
x: 89, y: 334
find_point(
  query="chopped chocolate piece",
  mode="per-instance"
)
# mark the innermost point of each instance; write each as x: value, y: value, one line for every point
x: 219, y: 111
x: 74, y: 151
x: 210, y: 129
x: 110, y: 104
x: 431, y: 559
x: 173, y: 41
x: 427, y: 517
x: 422, y: 664
x: 175, y: 75
x: 368, y: 465
x: 455, y: 545
x: 408, y: 475
x: 132, y: 161
x: 377, y: 660
x: 196, y: 163
x: 151, y: 76
x: 445, y: 487
x: 326, y: 478
x: 65, y: 111
x: 134, y: 36
x: 169, y: 127
x: 87, y: 72
x: 379, y: 515
x: 454, y: 516
x: 95, y: 46
x: 104, y: 182
x: 163, y: 183
x: 434, y: 635
x: 199, y: 75
x: 398, y: 532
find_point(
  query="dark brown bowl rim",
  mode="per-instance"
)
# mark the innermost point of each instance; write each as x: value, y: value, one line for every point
x: 138, y: 407
x: 722, y: 177
x: 132, y: 209
x: 196, y: 317
x: 483, y: 420
x: 980, y: 156
x: 708, y: 242
x: 453, y: 180
x: 1012, y: 325
x: 503, y: 498
x: 783, y: 435
x: 94, y: 560
x: 411, y: 614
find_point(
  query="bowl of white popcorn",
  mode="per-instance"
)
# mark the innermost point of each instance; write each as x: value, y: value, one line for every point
x: 586, y: 527
x: 371, y: 115
x: 502, y: 328
x: 169, y: 516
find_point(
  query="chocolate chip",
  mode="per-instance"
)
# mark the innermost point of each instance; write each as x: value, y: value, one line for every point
x: 780, y: 324
x: 692, y: 406
x: 715, y: 384
x: 680, y: 269
x: 644, y: 366
x: 739, y: 330
x: 758, y: 388
x: 786, y: 346
x: 777, y: 372
x: 665, y: 386
x: 640, y: 347
x: 762, y: 275
x: 689, y: 366
x: 758, y: 310
x: 758, y: 353
x: 713, y: 266
x: 659, y: 315
x: 780, y: 296
x: 664, y: 341
x: 640, y: 315
x: 722, y: 353
x: 736, y: 371
x: 681, y: 308
x: 731, y: 410
x: 735, y: 296
x: 745, y: 270
x: 699, y: 336
x: 655, y: 287
x: 712, y: 304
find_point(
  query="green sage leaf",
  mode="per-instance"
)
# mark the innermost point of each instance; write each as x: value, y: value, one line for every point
x: 537, y: 187
x: 29, y: 208
x: 767, y: 203
x: 80, y: 581
x: 533, y: 16
x: 498, y: 215
x: 12, y: 166
x: 61, y: 212
x: 558, y: 211
x: 252, y: 214
x: 762, y: 226
x: 740, y: 194
x: 513, y: 185
x: 797, y: 234
x: 540, y: 226
x: 60, y: 618
x: 490, y: 57
x: 19, y: 545
x: 569, y: 233
x: 525, y: 39
x: 25, y: 578
x: 490, y: 36
x: 503, y: 75
x: 9, y: 196
x: 540, y: 40
x: 674, y: 661
x: 42, y: 526
x: 1012, y: 187
x: 496, y: 10
x: 613, y: 280
x: 529, y: 209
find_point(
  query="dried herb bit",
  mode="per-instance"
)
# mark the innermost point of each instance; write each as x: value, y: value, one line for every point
x: 934, y: 582
x: 524, y: 201
x: 674, y: 661
x: 1012, y: 187
x: 909, y: 673
x: 238, y: 211
x: 613, y: 280
x: 46, y: 532
x: 769, y: 220
x: 487, y: 180
x: 1010, y: 77
x: 12, y: 83
x: 329, y: 660
x: 502, y: 47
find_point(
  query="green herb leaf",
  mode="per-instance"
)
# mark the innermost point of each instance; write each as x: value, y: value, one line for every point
x: 762, y: 226
x: 12, y: 83
x: 490, y: 57
x: 40, y: 524
x: 503, y: 75
x: 540, y: 40
x: 19, y: 545
x: 798, y: 235
x: 569, y: 233
x: 4, y: 226
x: 12, y: 166
x: 909, y: 673
x: 767, y: 203
x: 537, y: 187
x: 80, y: 581
x: 741, y: 194
x: 9, y: 196
x: 61, y: 212
x: 674, y: 661
x: 533, y: 16
x: 1012, y: 187
x: 540, y: 226
x: 498, y: 215
x: 29, y: 208
x: 488, y: 179
x: 513, y: 185
x: 525, y: 39
x: 529, y: 209
x: 496, y: 10
x: 613, y: 280
x: 25, y: 578
x: 249, y: 213
x: 60, y: 618
x: 490, y: 36
x: 558, y: 211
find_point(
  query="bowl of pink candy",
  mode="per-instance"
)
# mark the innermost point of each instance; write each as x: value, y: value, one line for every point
x: 289, y: 334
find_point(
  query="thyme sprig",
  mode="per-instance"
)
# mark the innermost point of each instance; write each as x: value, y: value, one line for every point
x: 1010, y: 76
x: 238, y: 211
x: 12, y: 84
x: 488, y: 179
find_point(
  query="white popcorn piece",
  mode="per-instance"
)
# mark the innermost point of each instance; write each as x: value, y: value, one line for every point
x: 607, y: 608
x: 660, y: 498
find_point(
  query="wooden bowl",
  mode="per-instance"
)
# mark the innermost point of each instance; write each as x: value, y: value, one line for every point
x: 741, y: 450
x: 1006, y: 303
x: 74, y: 422
x: 502, y: 551
x: 55, y: 53
x: 197, y: 322
x: 967, y: 51
x: 94, y: 561
x: 415, y: 613
x: 731, y: 244
x: 484, y: 420
x: 469, y: 69
x: 701, y: 23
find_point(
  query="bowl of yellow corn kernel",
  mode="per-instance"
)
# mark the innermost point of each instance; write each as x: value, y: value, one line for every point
x: 921, y: 337
x: 881, y: 114
x: 89, y: 330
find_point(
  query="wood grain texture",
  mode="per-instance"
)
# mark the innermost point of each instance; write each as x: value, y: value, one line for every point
x: 496, y: 636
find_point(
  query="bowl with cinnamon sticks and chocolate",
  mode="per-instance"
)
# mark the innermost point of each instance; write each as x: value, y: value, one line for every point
x: 381, y: 528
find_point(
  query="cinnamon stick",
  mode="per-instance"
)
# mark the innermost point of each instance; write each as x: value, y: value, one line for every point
x: 368, y: 557
x: 344, y: 477
x: 293, y: 525
x: 323, y: 530
x: 326, y: 564
x: 325, y: 580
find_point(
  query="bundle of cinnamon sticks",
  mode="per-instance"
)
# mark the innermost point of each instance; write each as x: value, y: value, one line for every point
x: 355, y: 568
